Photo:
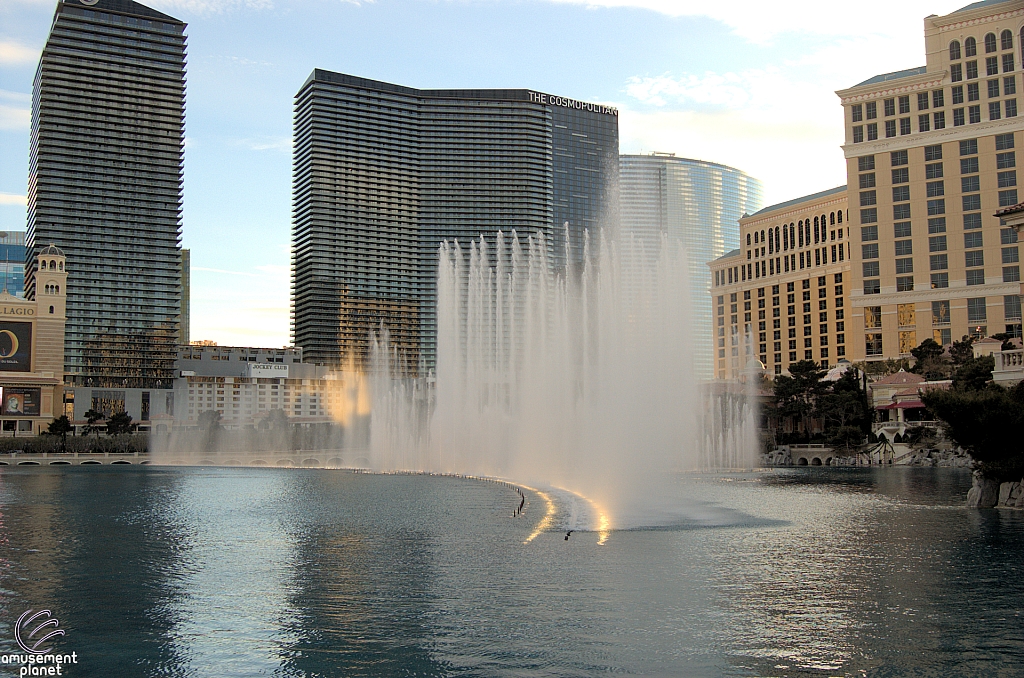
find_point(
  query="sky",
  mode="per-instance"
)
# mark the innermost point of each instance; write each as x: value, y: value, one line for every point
x: 747, y: 83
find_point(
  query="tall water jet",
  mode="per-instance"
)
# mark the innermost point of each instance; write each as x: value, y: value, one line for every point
x: 578, y: 380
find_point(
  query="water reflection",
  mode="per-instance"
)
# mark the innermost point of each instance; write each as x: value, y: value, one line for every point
x: 243, y: 572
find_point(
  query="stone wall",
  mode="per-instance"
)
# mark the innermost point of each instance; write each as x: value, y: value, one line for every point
x: 987, y: 493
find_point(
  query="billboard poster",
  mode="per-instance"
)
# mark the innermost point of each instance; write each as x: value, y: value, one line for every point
x: 20, y: 400
x: 15, y: 347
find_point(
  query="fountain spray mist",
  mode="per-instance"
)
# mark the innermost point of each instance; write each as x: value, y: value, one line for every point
x: 580, y: 380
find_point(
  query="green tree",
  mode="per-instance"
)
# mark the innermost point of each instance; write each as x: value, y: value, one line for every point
x: 929, y: 361
x: 92, y: 418
x: 1007, y: 345
x: 962, y: 351
x: 795, y: 394
x: 986, y: 423
x: 61, y: 426
x: 120, y: 424
x: 973, y: 374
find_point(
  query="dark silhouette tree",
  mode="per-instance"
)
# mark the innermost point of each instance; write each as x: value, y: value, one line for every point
x: 962, y: 351
x: 92, y: 417
x: 61, y: 426
x: 120, y: 424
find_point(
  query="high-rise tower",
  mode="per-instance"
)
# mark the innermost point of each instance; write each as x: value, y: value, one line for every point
x: 105, y: 180
x: 693, y: 202
x: 383, y: 173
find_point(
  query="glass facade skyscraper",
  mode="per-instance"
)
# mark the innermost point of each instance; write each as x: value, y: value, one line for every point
x: 12, y: 262
x: 694, y: 202
x: 105, y: 180
x: 384, y: 173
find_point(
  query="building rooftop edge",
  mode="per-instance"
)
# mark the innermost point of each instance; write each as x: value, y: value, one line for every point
x: 797, y: 201
x: 662, y: 156
x: 121, y: 7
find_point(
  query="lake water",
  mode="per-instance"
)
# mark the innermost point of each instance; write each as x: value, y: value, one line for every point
x: 272, y: 572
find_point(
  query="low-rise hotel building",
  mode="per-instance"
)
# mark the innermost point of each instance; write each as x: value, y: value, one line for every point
x: 782, y: 296
x: 931, y: 155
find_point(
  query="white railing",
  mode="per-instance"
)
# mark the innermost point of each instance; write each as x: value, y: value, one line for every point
x: 1009, y: 361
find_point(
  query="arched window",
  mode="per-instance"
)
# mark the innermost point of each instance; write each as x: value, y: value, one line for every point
x: 777, y: 242
x: 990, y: 43
x: 1007, y: 39
x: 56, y: 289
x: 823, y: 219
x: 53, y: 265
x: 832, y: 219
x: 970, y: 47
x: 60, y: 266
x: 51, y: 309
x: 771, y: 242
x: 840, y: 215
x: 785, y: 239
x: 757, y: 237
x: 954, y: 50
x: 762, y: 237
x: 748, y: 240
x: 792, y: 236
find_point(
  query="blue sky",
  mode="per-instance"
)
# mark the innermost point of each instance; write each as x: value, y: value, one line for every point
x: 748, y: 83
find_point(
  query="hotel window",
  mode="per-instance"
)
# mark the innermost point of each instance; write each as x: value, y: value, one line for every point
x: 1010, y: 85
x: 930, y: 153
x: 954, y: 50
x: 968, y: 166
x: 933, y: 171
x: 1011, y: 307
x: 956, y: 73
x: 976, y: 310
x: 1006, y: 40
x: 900, y: 176
x: 940, y: 280
x: 905, y: 284
x: 990, y: 43
x: 870, y: 269
x: 994, y: 111
x: 867, y: 216
x: 1008, y: 198
x: 1006, y: 160
x: 974, y: 239
x: 972, y: 92
x: 1007, y: 236
x: 867, y: 198
x: 937, y: 243
x: 857, y: 112
x: 871, y: 109
x: 867, y: 180
x: 938, y: 98
x: 900, y: 193
x: 940, y: 313
x: 904, y: 126
x: 897, y: 158
x: 872, y: 287
x: 971, y: 202
x: 890, y: 107
x: 993, y: 88
x: 873, y: 344
x: 1004, y: 141
x: 972, y: 221
x: 1011, y: 108
x: 935, y: 189
x: 904, y: 266
x: 992, y: 66
x: 969, y: 147
x: 976, y: 277
x: 972, y: 70
x: 904, y: 248
x: 937, y: 225
x: 872, y: 131
x: 1007, y: 63
x: 938, y: 262
x: 869, y: 233
x: 970, y: 184
x: 869, y: 251
x: 904, y: 102
x: 865, y: 163
x: 974, y: 114
x: 902, y: 211
x: 937, y: 206
x: 922, y: 101
x: 890, y: 128
x: 923, y: 123
x: 940, y: 120
x: 958, y: 94
x: 1011, y: 274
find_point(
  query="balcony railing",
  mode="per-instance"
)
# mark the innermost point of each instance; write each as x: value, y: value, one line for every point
x: 1009, y: 361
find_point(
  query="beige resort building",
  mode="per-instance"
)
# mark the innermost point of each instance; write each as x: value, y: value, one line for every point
x: 931, y: 155
x: 782, y: 296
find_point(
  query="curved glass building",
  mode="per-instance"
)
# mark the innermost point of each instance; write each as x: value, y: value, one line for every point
x: 696, y: 202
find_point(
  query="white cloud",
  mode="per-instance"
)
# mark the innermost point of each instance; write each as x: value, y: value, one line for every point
x: 283, y: 144
x: 12, y: 52
x: 759, y: 21
x: 15, y: 111
x: 13, y: 199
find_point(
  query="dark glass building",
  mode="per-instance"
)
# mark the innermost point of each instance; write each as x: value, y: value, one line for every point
x: 383, y: 173
x: 12, y: 262
x: 105, y: 180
